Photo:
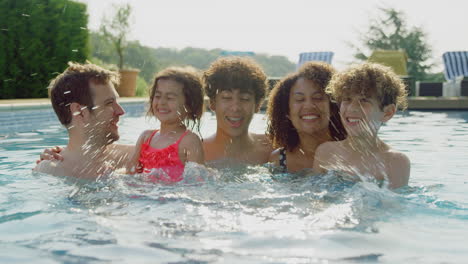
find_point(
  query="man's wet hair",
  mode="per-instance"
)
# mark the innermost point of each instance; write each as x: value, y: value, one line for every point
x: 73, y: 86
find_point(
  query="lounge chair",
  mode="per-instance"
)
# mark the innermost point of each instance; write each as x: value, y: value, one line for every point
x: 325, y: 56
x: 397, y: 60
x: 456, y: 73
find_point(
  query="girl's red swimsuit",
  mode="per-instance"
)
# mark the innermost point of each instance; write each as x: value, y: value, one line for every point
x: 166, y: 159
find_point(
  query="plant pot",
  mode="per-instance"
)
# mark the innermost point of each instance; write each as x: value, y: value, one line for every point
x: 127, y: 85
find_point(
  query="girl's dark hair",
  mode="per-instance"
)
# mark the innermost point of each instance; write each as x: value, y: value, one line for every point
x: 280, y: 130
x: 192, y: 89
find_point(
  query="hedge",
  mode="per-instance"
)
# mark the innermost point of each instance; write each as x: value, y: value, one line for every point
x: 37, y: 39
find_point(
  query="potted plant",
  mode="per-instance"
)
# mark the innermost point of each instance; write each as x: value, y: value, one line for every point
x: 116, y: 31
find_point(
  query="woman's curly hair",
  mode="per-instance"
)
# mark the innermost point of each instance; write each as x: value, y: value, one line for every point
x: 194, y: 95
x: 230, y: 73
x: 369, y: 79
x: 280, y: 130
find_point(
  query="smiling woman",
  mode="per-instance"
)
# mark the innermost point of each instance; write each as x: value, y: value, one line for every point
x: 301, y: 117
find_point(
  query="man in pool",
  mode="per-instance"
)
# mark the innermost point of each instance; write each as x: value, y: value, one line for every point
x: 236, y: 87
x: 85, y: 101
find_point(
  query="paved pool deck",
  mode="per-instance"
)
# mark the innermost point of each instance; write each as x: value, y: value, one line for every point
x: 414, y: 103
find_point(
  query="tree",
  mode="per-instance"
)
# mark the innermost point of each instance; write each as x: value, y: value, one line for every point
x: 391, y: 32
x: 117, y: 29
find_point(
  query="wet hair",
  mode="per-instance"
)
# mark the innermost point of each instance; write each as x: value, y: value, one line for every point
x: 280, y: 130
x: 73, y: 86
x: 369, y: 79
x: 193, y: 92
x: 231, y: 73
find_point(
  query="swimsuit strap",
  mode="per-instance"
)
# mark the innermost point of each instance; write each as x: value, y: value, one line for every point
x: 181, y: 137
x: 148, y: 141
x: 282, y: 159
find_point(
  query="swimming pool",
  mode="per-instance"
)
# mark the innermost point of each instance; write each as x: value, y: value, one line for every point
x: 245, y: 215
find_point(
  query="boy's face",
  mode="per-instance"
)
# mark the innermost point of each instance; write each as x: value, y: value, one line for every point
x: 234, y: 111
x: 361, y: 115
x: 309, y: 107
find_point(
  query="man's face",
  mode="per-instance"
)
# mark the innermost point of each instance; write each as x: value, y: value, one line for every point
x: 234, y: 111
x: 105, y: 113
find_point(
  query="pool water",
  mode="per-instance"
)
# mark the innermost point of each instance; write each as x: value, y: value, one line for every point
x: 241, y: 215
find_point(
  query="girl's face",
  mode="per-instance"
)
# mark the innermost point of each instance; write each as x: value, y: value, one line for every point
x: 309, y: 107
x: 169, y: 102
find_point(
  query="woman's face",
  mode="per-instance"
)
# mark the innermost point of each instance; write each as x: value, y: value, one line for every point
x: 309, y: 107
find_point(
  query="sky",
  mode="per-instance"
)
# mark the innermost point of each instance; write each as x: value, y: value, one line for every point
x: 283, y: 27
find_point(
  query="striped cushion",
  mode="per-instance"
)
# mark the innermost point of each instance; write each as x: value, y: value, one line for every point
x: 325, y: 56
x: 456, y: 64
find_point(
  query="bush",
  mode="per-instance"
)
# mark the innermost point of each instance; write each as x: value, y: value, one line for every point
x: 142, y: 88
x: 37, y: 39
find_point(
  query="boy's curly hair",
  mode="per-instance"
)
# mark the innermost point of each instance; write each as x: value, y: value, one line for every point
x: 369, y: 79
x: 280, y: 130
x: 230, y: 73
x: 194, y: 95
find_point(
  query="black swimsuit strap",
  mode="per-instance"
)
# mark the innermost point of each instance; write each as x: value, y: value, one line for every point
x: 282, y: 159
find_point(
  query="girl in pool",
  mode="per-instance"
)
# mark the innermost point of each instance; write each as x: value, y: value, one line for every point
x: 301, y: 117
x: 176, y: 100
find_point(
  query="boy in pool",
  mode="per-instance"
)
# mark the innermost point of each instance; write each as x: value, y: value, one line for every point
x: 236, y: 87
x: 368, y: 96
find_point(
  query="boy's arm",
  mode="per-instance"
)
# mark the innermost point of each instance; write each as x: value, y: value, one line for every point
x: 399, y: 170
x: 193, y: 149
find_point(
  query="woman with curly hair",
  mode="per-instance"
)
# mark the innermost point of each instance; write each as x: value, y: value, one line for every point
x: 301, y: 116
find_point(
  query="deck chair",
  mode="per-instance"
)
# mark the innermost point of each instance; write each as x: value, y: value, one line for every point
x: 325, y: 56
x: 456, y: 73
x: 395, y: 59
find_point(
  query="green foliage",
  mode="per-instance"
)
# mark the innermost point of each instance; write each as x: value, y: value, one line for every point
x: 151, y: 60
x: 117, y: 29
x: 392, y: 33
x: 142, y: 87
x: 37, y: 39
x: 435, y: 77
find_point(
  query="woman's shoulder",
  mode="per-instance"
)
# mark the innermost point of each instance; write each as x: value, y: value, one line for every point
x: 275, y: 155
